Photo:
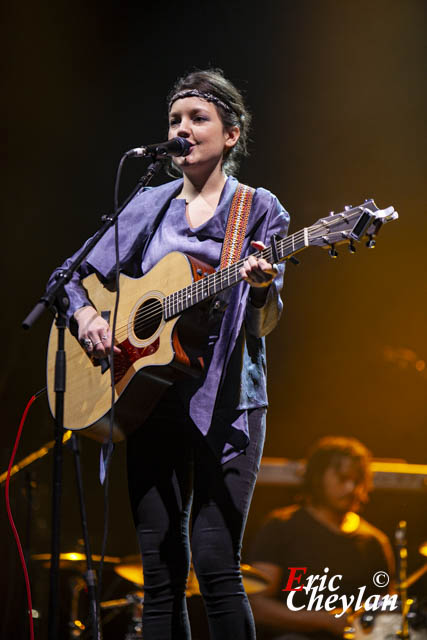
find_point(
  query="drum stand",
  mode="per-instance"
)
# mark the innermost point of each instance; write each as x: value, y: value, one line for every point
x: 77, y: 585
x: 402, y: 575
x: 135, y: 625
x: 134, y: 600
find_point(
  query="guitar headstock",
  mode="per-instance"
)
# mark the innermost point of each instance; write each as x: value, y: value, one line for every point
x: 350, y: 226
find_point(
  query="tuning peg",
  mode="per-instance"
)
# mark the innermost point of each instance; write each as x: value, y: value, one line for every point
x: 331, y: 213
x: 332, y: 252
x: 371, y: 242
x: 347, y: 207
x: 351, y: 247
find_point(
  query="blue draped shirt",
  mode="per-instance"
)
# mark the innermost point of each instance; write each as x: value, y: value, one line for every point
x: 152, y: 225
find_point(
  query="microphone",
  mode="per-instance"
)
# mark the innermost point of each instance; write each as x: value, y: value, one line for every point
x: 174, y: 147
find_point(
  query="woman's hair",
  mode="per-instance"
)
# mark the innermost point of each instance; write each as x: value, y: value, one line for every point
x: 229, y: 104
x: 329, y: 452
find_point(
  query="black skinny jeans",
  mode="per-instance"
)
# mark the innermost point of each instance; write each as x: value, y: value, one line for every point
x: 171, y: 471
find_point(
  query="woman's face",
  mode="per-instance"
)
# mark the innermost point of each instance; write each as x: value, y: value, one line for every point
x: 199, y: 122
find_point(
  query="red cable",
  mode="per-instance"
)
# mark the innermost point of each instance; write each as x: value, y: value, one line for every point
x: 12, y: 523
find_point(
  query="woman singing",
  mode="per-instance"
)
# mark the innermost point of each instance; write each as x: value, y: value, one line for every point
x: 198, y: 452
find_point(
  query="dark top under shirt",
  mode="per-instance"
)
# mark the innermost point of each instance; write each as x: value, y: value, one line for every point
x: 292, y: 537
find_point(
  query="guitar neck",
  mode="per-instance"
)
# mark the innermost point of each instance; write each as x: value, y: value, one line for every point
x: 210, y: 285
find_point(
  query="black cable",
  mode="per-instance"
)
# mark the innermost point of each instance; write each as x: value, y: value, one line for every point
x: 108, y: 448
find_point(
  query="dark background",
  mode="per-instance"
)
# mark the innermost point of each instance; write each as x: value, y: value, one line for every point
x: 339, y: 102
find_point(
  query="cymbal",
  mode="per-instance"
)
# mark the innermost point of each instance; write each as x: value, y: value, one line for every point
x: 253, y: 580
x: 131, y: 571
x: 73, y: 559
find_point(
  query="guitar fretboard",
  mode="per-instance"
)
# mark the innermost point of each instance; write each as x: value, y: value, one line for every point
x: 214, y: 283
x: 326, y: 231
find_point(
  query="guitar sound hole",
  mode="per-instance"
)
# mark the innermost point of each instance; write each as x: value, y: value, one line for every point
x: 148, y: 319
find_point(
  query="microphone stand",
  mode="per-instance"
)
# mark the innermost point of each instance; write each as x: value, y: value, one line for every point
x: 90, y: 575
x: 57, y: 300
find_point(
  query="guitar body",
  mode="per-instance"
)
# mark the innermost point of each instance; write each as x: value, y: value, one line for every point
x: 152, y: 353
x: 157, y: 332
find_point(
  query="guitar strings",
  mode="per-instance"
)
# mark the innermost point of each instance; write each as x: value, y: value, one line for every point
x: 180, y: 297
x: 201, y: 287
x: 196, y: 289
x: 205, y: 285
x: 174, y: 301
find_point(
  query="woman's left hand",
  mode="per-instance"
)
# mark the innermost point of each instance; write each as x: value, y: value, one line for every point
x: 257, y: 271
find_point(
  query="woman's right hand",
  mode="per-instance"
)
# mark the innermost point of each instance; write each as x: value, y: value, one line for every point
x: 94, y: 332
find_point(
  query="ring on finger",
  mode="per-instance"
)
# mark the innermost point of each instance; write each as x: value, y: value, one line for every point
x: 95, y: 343
x: 87, y: 343
x: 104, y: 337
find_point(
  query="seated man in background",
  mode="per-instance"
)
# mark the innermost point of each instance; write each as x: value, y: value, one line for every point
x: 323, y: 536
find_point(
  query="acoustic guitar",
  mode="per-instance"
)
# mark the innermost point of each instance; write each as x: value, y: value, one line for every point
x: 155, y: 334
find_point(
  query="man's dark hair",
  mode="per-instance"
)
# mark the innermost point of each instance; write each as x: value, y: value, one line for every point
x: 213, y: 81
x: 330, y: 451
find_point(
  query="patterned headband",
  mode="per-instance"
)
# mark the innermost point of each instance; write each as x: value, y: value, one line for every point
x: 209, y: 97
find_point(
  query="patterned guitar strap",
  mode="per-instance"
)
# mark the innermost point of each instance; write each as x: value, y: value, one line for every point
x: 236, y: 225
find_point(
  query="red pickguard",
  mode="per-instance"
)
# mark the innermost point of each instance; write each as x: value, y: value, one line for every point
x: 130, y: 354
